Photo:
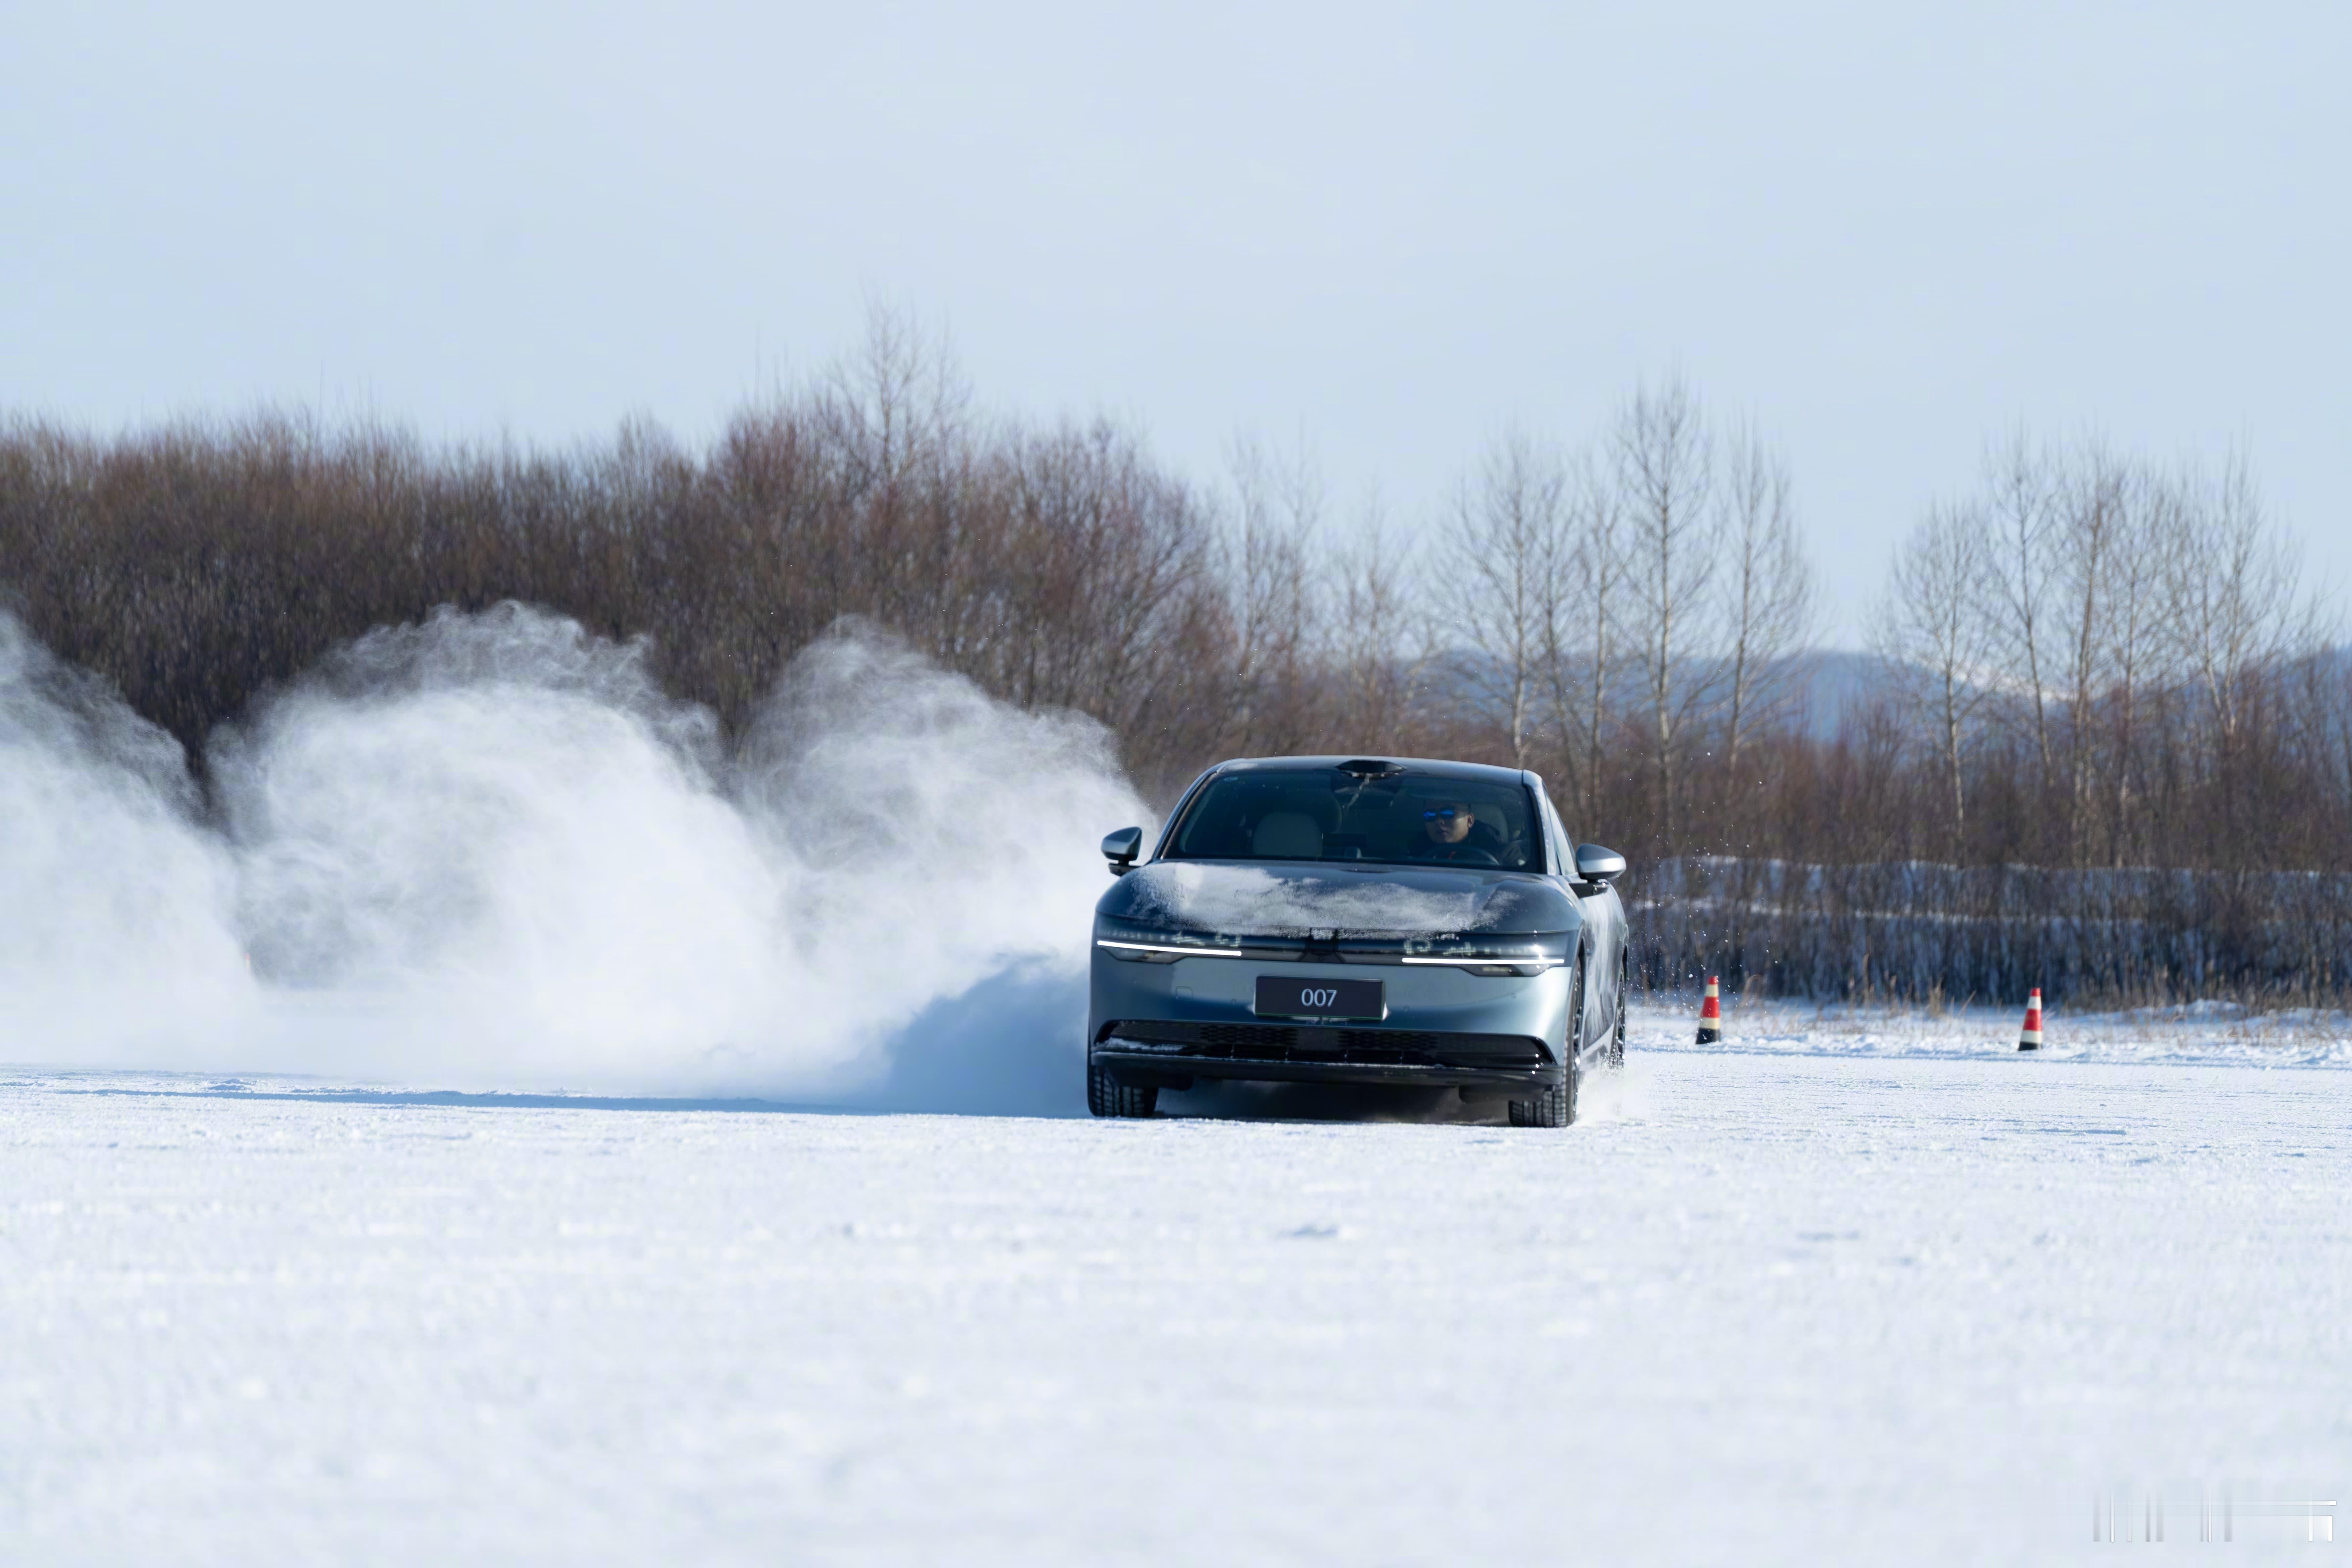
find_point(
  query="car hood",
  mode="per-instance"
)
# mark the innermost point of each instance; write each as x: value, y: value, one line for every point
x: 1283, y: 899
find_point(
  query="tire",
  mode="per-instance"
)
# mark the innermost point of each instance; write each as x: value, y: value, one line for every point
x: 1106, y: 1096
x: 1555, y: 1106
x: 1617, y: 1039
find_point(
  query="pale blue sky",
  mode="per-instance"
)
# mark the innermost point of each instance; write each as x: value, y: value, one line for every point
x: 1883, y: 230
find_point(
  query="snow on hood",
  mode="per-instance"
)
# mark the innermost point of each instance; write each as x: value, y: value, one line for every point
x: 1285, y: 899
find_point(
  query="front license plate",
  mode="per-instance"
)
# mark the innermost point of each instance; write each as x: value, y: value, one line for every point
x: 1288, y: 997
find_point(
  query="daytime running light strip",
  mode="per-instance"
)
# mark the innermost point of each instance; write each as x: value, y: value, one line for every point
x: 1186, y: 952
x: 1526, y: 962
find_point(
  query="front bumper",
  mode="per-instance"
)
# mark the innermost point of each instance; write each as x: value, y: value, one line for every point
x: 1183, y: 1018
x: 1168, y: 1025
x: 1159, y: 1065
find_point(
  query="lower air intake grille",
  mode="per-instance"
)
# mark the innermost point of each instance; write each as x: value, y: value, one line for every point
x: 1305, y: 1043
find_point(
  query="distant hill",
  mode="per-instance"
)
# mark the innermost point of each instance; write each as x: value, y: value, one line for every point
x: 1821, y: 683
x: 1825, y: 681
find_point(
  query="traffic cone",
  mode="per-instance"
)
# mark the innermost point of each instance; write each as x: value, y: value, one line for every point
x: 2031, y: 1038
x: 1710, y: 1016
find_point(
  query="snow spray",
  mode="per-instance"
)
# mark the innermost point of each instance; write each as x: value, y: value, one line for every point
x: 488, y: 851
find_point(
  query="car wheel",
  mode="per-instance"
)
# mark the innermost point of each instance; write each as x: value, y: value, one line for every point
x: 1617, y: 1038
x: 1555, y: 1106
x: 1106, y: 1096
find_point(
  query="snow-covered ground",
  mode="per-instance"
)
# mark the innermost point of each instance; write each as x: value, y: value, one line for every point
x: 1856, y: 1288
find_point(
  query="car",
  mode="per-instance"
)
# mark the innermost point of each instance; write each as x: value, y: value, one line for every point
x: 1357, y: 919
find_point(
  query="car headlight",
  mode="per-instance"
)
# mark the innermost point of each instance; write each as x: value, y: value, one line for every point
x: 1131, y: 942
x: 1498, y: 955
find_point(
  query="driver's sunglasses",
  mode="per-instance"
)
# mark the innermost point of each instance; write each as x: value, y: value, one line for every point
x: 1445, y: 814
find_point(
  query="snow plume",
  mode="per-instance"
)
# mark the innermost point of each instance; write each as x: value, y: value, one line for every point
x: 114, y: 907
x: 490, y: 852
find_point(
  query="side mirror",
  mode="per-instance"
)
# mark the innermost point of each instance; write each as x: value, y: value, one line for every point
x: 1120, y: 849
x: 1594, y: 864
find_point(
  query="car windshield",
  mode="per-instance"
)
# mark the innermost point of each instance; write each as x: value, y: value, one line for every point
x: 1323, y: 814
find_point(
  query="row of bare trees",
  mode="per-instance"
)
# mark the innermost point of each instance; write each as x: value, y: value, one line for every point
x: 2091, y: 671
x: 2130, y: 628
x: 2102, y: 742
x: 197, y: 565
x: 1654, y: 582
x: 1622, y: 617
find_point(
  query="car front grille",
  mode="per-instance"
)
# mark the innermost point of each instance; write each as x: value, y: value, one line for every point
x: 1308, y: 1043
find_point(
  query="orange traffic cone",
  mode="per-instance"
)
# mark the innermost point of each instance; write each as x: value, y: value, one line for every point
x: 1710, y: 1016
x: 2031, y: 1039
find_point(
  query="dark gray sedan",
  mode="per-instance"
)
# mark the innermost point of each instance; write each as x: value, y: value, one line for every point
x: 1359, y: 920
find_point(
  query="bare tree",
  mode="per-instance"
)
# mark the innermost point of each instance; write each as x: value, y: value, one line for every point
x: 2233, y: 591
x: 1665, y: 473
x: 1502, y: 541
x: 1932, y: 629
x: 1379, y: 640
x: 2091, y: 529
x: 2148, y: 514
x: 895, y: 402
x: 2017, y: 476
x: 2329, y: 685
x: 1276, y: 611
x: 1581, y: 647
x: 1769, y: 592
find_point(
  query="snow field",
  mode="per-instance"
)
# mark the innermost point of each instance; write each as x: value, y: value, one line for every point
x: 1762, y: 1306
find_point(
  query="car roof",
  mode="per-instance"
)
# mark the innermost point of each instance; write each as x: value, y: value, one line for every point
x: 1427, y: 767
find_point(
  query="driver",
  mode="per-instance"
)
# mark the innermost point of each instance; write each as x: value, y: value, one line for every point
x: 1450, y: 831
